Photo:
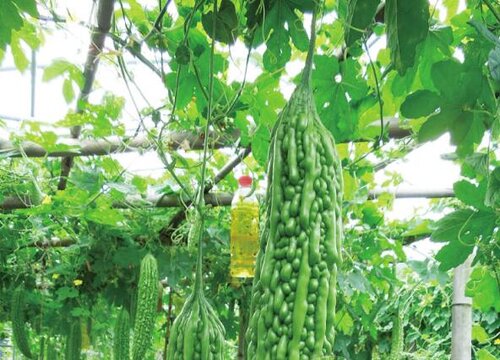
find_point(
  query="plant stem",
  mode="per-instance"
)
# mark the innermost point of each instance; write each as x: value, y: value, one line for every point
x: 306, y: 75
x: 200, y: 201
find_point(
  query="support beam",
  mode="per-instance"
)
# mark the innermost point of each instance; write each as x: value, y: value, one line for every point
x: 110, y: 145
x: 461, y: 316
x: 220, y: 199
x: 413, y: 193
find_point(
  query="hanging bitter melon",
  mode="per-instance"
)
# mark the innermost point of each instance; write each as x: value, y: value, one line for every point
x: 74, y: 341
x: 397, y: 338
x: 147, y: 298
x: 19, y: 332
x: 294, y: 293
x: 197, y: 332
x: 121, y: 339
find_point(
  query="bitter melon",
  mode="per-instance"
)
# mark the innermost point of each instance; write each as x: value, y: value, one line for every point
x: 294, y: 292
x: 397, y: 341
x: 19, y: 332
x: 121, y: 340
x: 74, y: 341
x: 197, y: 332
x: 147, y: 297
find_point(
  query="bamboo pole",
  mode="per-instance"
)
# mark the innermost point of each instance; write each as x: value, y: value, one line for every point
x: 98, y: 36
x: 461, y: 316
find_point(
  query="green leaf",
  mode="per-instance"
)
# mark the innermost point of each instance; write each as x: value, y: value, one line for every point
x: 187, y: 83
x: 470, y: 194
x: 445, y: 75
x: 20, y: 59
x: 260, y: 145
x: 105, y: 216
x: 464, y: 225
x: 280, y: 23
x: 334, y: 94
x: 60, y: 67
x: 462, y: 229
x: 10, y: 20
x: 436, y: 125
x: 359, y: 16
x: 456, y: 84
x: 479, y: 334
x: 453, y: 254
x: 28, y: 6
x: 344, y: 322
x: 226, y: 23
x: 466, y: 130
x: 407, y: 26
x: 420, y: 103
x: 484, y: 354
x: 68, y: 92
x: 483, y: 288
x: 492, y: 196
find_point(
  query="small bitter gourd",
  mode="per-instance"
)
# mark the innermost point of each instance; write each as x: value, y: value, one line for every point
x: 147, y: 297
x: 397, y: 340
x: 294, y: 291
x: 19, y: 332
x: 121, y: 339
x: 51, y: 350
x: 197, y: 332
x: 74, y: 341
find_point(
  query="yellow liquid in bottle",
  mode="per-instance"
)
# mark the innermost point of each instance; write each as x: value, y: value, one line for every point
x: 244, y: 239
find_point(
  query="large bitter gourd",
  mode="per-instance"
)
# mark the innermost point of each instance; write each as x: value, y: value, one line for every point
x: 293, y: 300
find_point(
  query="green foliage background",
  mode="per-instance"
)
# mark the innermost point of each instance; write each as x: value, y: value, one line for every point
x: 439, y: 73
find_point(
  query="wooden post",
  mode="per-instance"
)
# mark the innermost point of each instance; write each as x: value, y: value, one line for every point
x: 461, y: 317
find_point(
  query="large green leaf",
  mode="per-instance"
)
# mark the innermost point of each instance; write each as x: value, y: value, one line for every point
x: 10, y: 20
x: 407, y: 26
x: 278, y: 24
x: 337, y: 88
x: 462, y: 229
x: 483, y: 288
x: 360, y: 15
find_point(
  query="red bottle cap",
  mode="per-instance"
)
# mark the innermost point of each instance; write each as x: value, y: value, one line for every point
x: 245, y: 181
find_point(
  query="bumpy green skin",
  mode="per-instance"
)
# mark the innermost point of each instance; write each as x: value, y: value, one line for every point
x: 121, y: 339
x: 397, y: 341
x: 18, y: 323
x: 51, y: 350
x: 74, y: 341
x: 197, y: 333
x: 293, y: 301
x: 375, y: 354
x: 147, y: 297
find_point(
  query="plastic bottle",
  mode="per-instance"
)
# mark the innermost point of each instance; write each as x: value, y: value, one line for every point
x: 244, y: 230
